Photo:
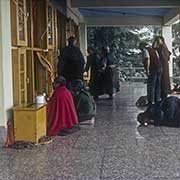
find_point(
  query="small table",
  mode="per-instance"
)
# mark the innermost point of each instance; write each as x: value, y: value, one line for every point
x: 29, y: 122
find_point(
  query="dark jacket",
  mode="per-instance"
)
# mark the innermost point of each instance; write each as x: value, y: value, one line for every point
x: 85, y: 106
x: 71, y: 63
x: 93, y: 65
x: 108, y: 82
x: 167, y: 112
x: 164, y: 55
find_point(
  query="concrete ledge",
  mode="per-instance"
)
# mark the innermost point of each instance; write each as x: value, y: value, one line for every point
x: 3, y: 133
x: 123, y: 20
x: 126, y: 3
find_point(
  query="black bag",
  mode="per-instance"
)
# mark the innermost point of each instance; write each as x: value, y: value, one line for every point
x: 156, y: 113
x: 171, y: 109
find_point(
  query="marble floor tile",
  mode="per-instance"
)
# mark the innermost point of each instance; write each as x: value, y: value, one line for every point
x: 114, y: 148
x: 150, y: 132
x: 138, y: 162
x: 75, y: 164
x: 169, y: 131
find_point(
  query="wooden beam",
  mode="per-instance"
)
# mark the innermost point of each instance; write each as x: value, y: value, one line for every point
x: 74, y: 13
x: 125, y: 3
x: 172, y: 16
x: 123, y: 21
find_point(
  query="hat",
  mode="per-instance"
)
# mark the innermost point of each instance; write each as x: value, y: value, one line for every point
x: 61, y: 80
x: 78, y: 83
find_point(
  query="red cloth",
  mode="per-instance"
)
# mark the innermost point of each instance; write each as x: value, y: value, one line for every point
x: 61, y: 113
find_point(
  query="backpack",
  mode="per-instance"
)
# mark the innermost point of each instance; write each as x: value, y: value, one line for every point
x: 171, y: 109
x: 156, y: 113
x: 155, y: 62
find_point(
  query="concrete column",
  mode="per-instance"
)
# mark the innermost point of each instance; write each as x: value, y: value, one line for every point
x: 83, y: 38
x: 6, y: 88
x: 167, y: 34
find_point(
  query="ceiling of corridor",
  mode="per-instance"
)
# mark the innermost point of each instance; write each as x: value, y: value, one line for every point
x: 127, y: 12
x: 124, y: 11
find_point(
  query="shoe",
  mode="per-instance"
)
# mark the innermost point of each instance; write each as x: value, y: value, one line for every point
x: 63, y: 132
x: 76, y: 128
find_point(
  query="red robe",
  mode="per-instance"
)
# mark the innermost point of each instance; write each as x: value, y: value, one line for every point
x: 61, y: 113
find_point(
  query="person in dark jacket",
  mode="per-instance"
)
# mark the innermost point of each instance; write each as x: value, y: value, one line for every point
x: 71, y: 62
x: 93, y: 65
x: 107, y: 67
x: 164, y: 113
x: 164, y: 55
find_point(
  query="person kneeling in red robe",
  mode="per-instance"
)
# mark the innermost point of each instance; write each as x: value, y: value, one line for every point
x: 61, y: 112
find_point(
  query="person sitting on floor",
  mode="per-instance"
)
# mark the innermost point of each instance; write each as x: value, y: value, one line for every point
x: 85, y: 105
x: 61, y: 112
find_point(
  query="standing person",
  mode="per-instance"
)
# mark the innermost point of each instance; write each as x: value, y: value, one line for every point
x: 92, y: 64
x: 164, y: 55
x: 71, y: 62
x: 107, y: 65
x: 153, y: 69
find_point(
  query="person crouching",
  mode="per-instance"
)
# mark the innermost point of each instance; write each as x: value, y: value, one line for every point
x: 85, y: 105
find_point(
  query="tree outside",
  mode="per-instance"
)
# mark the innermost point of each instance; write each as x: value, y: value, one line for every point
x: 176, y: 52
x: 123, y: 42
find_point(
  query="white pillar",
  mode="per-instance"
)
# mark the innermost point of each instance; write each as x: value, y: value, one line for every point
x: 83, y: 38
x: 167, y: 34
x: 6, y: 88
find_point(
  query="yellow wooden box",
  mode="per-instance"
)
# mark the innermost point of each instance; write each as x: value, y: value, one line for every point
x: 29, y: 122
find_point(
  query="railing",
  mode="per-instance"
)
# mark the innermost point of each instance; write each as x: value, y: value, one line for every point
x: 176, y: 79
x: 137, y: 74
x: 132, y: 74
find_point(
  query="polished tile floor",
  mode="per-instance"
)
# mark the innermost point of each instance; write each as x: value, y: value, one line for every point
x: 114, y: 149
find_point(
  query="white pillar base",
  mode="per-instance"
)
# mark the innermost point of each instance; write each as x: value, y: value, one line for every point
x: 6, y: 88
x: 167, y: 34
x: 83, y: 38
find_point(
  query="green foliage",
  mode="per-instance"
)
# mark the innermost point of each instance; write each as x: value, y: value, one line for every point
x: 123, y: 42
x: 176, y: 49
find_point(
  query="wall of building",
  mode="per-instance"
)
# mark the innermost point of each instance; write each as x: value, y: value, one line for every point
x: 77, y: 17
x: 74, y: 13
x: 6, y: 83
x: 6, y: 90
x: 167, y: 34
x: 1, y: 75
x: 83, y: 38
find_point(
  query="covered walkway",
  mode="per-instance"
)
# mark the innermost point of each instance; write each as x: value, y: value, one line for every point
x: 33, y: 32
x: 114, y: 149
